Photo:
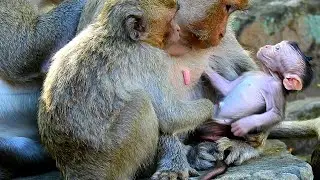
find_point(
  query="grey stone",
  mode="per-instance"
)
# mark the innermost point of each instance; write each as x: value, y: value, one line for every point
x: 308, y: 108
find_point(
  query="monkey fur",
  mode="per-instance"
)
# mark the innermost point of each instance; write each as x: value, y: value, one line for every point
x: 220, y: 57
x: 44, y: 6
x: 107, y: 95
x: 229, y: 59
x: 27, y: 39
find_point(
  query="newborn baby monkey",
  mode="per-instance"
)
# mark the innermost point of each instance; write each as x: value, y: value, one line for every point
x: 256, y: 99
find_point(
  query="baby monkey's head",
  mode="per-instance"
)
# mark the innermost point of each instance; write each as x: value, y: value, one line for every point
x: 288, y: 61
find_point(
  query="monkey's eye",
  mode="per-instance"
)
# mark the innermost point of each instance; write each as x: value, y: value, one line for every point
x: 277, y: 48
x: 230, y: 9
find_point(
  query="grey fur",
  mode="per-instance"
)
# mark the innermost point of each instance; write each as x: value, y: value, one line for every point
x: 229, y: 59
x: 106, y: 98
x: 26, y: 40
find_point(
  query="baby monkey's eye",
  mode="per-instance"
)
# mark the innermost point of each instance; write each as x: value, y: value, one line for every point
x: 277, y: 48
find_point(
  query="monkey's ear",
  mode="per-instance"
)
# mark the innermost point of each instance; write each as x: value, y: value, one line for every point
x: 136, y: 26
x: 292, y: 82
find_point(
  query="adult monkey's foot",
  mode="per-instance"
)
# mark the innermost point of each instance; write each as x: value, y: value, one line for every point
x: 257, y: 140
x: 173, y: 163
x: 171, y: 174
x: 204, y: 155
x: 239, y: 151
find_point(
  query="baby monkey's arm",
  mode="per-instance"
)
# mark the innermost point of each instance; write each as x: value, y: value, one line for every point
x: 275, y: 101
x: 220, y: 83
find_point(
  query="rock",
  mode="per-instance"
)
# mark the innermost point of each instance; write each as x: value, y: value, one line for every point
x: 275, y: 163
x: 269, y: 22
x: 305, y: 109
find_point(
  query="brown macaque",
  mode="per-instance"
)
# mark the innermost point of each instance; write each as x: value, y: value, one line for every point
x: 256, y: 99
x: 107, y: 101
x: 191, y: 58
x: 225, y: 55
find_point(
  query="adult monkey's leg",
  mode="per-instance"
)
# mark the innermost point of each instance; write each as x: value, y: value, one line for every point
x: 134, y: 141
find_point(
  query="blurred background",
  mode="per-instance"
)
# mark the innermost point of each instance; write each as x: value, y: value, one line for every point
x: 270, y: 22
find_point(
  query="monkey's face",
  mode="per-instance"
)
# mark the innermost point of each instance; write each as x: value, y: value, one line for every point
x: 173, y: 34
x: 163, y: 30
x: 206, y: 20
x: 286, y: 58
x: 278, y: 57
x: 270, y: 56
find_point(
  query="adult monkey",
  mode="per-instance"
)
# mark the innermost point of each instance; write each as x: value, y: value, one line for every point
x: 196, y: 59
x: 27, y: 39
x: 107, y: 94
x: 228, y: 58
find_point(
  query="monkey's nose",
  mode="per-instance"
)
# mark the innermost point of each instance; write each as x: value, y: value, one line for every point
x: 267, y: 46
x: 178, y: 28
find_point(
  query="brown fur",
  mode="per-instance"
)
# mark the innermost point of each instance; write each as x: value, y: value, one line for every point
x: 212, y: 131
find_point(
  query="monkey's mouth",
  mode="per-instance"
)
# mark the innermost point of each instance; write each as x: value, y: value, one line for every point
x: 261, y: 56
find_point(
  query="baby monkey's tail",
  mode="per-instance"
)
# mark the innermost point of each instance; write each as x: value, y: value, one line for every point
x: 220, y: 168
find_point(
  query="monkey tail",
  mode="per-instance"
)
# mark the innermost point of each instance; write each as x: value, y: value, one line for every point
x: 219, y: 169
x: 296, y: 129
x: 22, y: 156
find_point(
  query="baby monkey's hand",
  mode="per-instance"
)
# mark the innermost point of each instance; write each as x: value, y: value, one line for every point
x: 243, y: 126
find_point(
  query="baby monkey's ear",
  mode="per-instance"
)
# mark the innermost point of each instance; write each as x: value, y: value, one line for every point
x: 136, y: 25
x: 292, y: 82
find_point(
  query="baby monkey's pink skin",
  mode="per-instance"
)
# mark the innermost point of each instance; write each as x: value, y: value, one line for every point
x: 256, y: 99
